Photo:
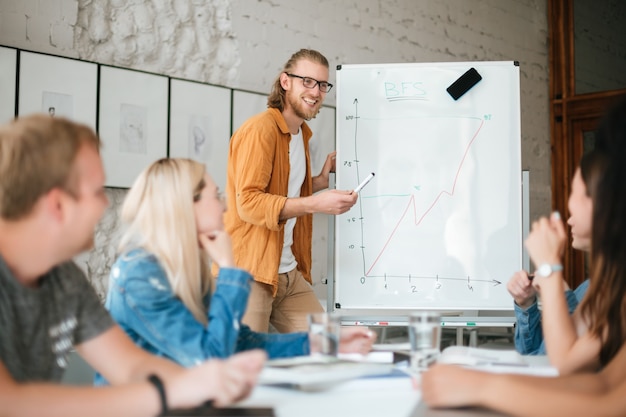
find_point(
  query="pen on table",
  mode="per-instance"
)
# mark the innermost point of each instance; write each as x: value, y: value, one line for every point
x: 364, y: 183
x: 519, y: 364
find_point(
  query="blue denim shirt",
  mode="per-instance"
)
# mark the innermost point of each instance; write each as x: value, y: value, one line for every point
x: 528, y: 332
x: 141, y: 300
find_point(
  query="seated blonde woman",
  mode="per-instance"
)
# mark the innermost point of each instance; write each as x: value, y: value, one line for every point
x: 160, y: 285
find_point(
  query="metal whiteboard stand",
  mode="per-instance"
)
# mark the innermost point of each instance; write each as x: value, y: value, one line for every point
x: 525, y: 216
x: 330, y: 266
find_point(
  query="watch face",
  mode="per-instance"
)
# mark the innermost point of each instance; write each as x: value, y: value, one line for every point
x: 544, y: 270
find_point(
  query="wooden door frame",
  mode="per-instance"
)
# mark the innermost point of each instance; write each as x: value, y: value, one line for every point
x: 570, y: 116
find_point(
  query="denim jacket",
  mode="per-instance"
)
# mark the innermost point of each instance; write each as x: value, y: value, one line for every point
x: 141, y: 300
x: 528, y: 332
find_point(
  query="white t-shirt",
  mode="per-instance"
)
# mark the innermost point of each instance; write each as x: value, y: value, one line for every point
x: 297, y: 171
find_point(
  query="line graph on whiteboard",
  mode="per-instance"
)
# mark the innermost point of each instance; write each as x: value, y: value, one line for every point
x: 432, y: 224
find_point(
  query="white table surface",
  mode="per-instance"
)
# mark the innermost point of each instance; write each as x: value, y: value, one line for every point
x: 364, y: 397
x: 389, y: 396
x: 367, y: 397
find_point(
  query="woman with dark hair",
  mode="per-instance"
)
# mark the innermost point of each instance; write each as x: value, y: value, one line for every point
x: 530, y: 328
x: 570, y: 346
x: 605, y: 305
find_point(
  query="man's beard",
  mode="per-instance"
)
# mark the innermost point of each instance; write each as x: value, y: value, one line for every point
x: 298, y: 108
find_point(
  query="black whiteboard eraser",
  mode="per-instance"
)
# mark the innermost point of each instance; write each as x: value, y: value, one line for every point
x: 337, y: 305
x: 464, y: 83
x: 339, y: 67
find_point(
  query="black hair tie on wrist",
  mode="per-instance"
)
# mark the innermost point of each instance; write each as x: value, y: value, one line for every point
x: 158, y: 384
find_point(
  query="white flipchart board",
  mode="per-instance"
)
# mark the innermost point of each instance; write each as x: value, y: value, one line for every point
x: 440, y: 225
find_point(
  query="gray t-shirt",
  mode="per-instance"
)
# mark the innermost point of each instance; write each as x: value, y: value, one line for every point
x: 39, y: 326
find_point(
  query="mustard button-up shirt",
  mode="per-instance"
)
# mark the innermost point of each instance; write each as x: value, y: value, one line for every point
x: 256, y: 189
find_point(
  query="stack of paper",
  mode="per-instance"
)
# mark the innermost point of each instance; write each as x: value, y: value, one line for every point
x: 314, y: 373
x: 494, y: 360
x: 472, y: 356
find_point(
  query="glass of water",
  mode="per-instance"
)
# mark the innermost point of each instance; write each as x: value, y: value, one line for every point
x: 324, y: 330
x: 425, y: 338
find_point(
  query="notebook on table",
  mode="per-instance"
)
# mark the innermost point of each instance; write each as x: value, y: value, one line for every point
x: 316, y: 373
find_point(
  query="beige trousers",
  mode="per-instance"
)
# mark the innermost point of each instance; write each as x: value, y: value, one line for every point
x: 288, y: 310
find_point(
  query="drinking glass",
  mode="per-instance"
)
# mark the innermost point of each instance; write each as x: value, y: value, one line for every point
x: 324, y: 329
x: 425, y: 338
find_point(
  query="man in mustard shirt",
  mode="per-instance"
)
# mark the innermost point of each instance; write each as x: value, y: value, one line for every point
x: 270, y: 196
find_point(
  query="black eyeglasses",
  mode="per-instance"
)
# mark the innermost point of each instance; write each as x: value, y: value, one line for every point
x: 309, y: 82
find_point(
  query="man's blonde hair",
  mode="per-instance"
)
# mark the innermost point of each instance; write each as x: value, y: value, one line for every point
x: 37, y: 154
x: 159, y: 213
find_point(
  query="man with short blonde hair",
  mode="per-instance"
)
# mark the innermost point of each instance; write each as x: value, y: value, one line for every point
x: 51, y: 198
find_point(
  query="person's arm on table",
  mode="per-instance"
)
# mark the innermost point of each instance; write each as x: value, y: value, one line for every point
x: 575, y: 395
x: 584, y: 394
x: 116, y: 357
x: 356, y: 339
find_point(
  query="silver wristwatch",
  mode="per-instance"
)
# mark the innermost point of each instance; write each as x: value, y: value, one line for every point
x: 545, y: 270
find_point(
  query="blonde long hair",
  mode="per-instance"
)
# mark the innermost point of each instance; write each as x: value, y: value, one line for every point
x: 159, y: 215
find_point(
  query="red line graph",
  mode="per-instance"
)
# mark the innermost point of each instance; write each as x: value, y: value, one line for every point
x: 417, y: 221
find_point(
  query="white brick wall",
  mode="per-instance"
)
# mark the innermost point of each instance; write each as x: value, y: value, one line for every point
x: 244, y: 43
x: 40, y: 25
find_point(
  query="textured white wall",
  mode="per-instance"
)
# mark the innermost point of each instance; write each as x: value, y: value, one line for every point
x: 244, y: 43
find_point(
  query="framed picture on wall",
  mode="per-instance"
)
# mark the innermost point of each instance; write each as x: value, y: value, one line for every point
x: 200, y: 125
x: 133, y: 122
x: 58, y: 86
x: 8, y: 77
x: 245, y: 105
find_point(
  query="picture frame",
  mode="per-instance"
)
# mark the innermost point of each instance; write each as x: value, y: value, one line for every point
x: 133, y: 117
x: 67, y: 87
x: 245, y: 105
x: 200, y: 118
x: 8, y: 83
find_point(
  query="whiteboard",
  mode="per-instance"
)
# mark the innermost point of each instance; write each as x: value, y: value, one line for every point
x: 440, y: 225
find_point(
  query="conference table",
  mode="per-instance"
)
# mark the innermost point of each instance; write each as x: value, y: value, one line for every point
x: 391, y: 395
x: 388, y: 396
